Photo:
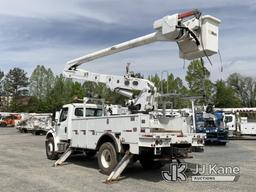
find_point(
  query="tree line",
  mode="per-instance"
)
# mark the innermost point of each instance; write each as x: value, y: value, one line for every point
x: 48, y: 92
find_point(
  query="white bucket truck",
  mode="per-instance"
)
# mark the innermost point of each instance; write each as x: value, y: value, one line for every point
x: 140, y: 134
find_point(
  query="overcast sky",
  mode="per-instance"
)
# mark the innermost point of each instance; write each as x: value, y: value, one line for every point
x: 52, y: 32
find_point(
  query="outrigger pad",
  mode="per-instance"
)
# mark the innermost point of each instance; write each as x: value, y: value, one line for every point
x: 63, y: 157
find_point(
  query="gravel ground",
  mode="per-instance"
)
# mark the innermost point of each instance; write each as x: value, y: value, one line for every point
x: 24, y: 167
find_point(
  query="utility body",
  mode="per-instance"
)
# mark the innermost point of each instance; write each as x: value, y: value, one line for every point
x: 151, y: 138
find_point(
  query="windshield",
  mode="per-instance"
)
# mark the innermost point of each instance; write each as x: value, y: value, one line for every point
x: 7, y: 117
x: 209, y: 123
x: 202, y: 122
x: 199, y: 117
x: 228, y: 119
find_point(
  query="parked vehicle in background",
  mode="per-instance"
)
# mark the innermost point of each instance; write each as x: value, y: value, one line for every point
x: 1, y: 117
x: 10, y: 120
x: 36, y: 123
x: 230, y: 124
x: 240, y: 121
x: 206, y: 123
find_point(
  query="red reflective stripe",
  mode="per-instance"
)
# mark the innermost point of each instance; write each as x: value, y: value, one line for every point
x: 188, y: 14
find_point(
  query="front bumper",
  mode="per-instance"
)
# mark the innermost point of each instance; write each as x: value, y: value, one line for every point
x: 217, y: 136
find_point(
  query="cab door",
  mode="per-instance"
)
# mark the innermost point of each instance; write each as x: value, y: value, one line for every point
x: 62, y: 126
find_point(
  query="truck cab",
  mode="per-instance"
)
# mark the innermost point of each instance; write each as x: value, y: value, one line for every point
x: 74, y: 111
x: 230, y: 123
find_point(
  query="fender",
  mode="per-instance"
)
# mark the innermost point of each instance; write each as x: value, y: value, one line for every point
x: 52, y: 133
x: 109, y: 137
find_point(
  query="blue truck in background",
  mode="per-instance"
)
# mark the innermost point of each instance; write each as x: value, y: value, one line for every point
x: 211, y: 123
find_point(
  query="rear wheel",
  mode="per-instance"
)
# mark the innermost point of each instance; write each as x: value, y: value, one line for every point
x: 50, y: 149
x: 107, y: 158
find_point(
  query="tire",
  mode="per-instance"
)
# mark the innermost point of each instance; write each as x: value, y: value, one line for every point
x: 37, y: 133
x: 107, y: 158
x: 50, y: 149
x: 3, y: 125
x: 223, y: 143
x: 148, y: 164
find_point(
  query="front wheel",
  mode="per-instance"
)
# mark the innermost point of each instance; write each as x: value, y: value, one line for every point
x: 107, y: 158
x: 3, y: 124
x: 50, y: 149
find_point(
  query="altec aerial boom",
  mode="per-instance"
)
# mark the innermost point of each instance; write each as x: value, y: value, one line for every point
x: 195, y: 35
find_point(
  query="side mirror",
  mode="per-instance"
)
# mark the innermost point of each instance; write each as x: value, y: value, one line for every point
x: 57, y: 116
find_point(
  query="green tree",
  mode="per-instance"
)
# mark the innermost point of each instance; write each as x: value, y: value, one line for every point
x: 156, y: 80
x: 15, y: 79
x: 171, y: 85
x: 225, y: 96
x: 1, y: 90
x: 41, y: 82
x: 64, y: 91
x: 100, y: 90
x: 245, y: 88
x: 56, y: 97
x: 1, y: 82
x: 1, y: 75
x: 198, y: 80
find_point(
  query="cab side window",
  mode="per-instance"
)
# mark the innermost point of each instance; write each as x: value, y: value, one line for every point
x: 79, y: 112
x: 64, y: 114
x: 93, y: 112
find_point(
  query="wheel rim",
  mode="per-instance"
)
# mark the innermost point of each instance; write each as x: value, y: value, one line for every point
x: 106, y: 158
x: 50, y: 148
